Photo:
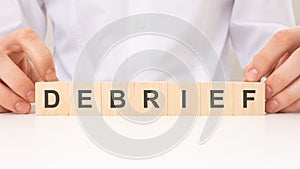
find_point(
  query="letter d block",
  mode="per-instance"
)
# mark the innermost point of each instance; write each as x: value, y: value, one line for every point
x: 52, y: 98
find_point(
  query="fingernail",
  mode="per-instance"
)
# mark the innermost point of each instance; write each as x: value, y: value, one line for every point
x: 252, y: 75
x: 268, y: 92
x: 271, y: 106
x: 31, y: 96
x: 22, y: 107
x: 50, y: 75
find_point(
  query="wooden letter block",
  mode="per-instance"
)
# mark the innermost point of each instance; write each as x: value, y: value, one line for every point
x: 150, y: 99
x: 248, y: 99
x: 117, y: 99
x: 215, y: 99
x: 234, y: 98
x: 183, y: 99
x: 52, y: 98
x: 85, y: 99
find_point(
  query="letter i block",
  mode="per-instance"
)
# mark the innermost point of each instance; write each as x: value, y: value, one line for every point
x: 183, y: 99
x: 151, y: 99
x: 216, y: 99
x: 85, y: 99
x: 248, y: 98
x: 52, y: 98
x: 117, y: 98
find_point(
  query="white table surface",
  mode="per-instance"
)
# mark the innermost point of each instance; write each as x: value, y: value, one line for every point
x: 271, y: 141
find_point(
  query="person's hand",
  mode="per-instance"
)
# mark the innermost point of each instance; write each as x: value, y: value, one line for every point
x: 24, y: 60
x: 279, y: 62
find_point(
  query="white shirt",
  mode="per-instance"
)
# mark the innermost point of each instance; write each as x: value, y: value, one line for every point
x: 249, y: 24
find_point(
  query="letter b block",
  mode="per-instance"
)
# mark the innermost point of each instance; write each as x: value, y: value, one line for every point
x: 117, y: 98
x: 150, y: 99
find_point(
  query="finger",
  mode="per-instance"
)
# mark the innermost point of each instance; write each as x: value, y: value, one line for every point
x: 16, y: 79
x: 12, y: 101
x: 282, y: 60
x: 27, y: 67
x: 282, y: 42
x: 34, y: 47
x: 33, y: 74
x: 295, y: 107
x: 284, y: 98
x: 283, y: 75
x: 265, y: 76
x: 17, y: 57
x: 3, y: 110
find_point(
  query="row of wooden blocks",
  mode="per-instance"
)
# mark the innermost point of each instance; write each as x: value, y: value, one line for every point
x: 150, y: 99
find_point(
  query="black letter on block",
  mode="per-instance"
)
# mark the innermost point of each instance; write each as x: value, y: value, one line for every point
x: 245, y: 98
x: 120, y: 98
x: 152, y: 100
x: 213, y: 98
x: 47, y: 105
x: 183, y: 92
x: 81, y: 98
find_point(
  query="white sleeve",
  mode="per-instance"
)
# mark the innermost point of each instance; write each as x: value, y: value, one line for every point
x: 17, y: 14
x: 253, y: 22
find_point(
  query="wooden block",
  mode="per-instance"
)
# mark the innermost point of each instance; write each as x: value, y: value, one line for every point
x: 85, y: 99
x: 183, y: 99
x: 227, y: 99
x: 213, y: 99
x: 150, y: 99
x: 52, y: 98
x: 117, y: 98
x: 248, y: 99
x: 146, y: 103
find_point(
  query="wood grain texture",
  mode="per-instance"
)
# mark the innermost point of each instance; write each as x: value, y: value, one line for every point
x: 173, y: 99
x: 127, y: 89
x: 221, y: 95
x: 90, y: 104
x: 62, y: 88
x: 159, y: 106
x: 183, y: 99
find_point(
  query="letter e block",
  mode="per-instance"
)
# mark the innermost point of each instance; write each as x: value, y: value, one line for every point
x: 215, y: 99
x: 85, y: 99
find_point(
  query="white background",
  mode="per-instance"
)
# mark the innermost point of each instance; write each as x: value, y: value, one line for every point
x: 271, y: 141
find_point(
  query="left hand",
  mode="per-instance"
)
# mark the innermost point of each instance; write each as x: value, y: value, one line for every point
x: 279, y: 62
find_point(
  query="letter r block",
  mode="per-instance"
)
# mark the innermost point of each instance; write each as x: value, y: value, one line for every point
x: 150, y: 99
x: 62, y: 88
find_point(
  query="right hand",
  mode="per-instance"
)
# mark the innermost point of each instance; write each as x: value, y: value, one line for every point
x: 24, y: 60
